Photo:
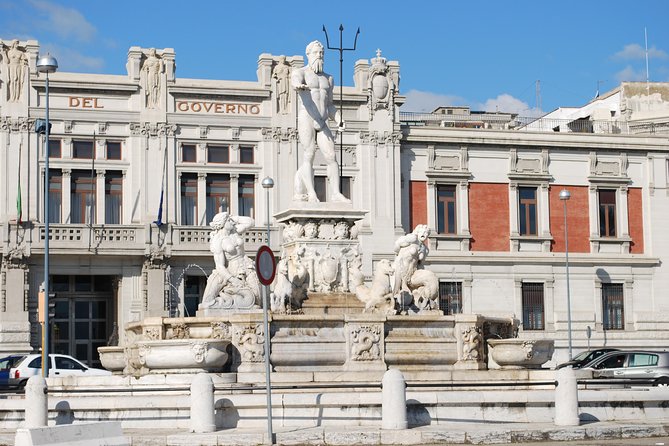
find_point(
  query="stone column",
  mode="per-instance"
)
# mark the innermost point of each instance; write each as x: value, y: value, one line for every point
x: 234, y: 194
x: 201, y: 198
x: 65, y: 194
x: 100, y: 205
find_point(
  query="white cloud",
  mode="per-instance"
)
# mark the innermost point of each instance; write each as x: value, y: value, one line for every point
x: 72, y: 60
x: 425, y: 101
x: 635, y: 51
x: 505, y: 103
x: 630, y: 74
x: 63, y: 21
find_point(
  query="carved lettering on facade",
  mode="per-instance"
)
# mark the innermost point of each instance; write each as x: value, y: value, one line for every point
x: 218, y: 107
x: 83, y: 102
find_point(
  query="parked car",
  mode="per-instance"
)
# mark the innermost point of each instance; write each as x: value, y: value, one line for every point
x: 7, y: 363
x: 633, y: 364
x: 60, y: 365
x: 583, y: 358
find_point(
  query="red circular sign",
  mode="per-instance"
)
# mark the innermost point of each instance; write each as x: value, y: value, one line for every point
x: 265, y: 265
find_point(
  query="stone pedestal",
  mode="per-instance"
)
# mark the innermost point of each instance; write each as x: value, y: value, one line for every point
x: 323, y: 238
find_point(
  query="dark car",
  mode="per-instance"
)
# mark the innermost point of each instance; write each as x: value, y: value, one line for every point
x: 7, y: 363
x: 583, y: 358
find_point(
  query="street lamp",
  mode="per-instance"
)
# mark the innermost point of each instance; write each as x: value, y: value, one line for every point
x: 47, y: 65
x: 565, y: 196
x: 267, y: 184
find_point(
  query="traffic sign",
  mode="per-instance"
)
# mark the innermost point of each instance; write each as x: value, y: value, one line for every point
x: 265, y: 265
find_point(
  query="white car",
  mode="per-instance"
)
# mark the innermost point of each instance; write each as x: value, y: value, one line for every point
x: 60, y: 365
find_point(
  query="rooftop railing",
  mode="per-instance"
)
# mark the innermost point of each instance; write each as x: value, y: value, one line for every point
x: 505, y: 121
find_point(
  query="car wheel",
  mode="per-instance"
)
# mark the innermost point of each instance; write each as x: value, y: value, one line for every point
x: 662, y: 382
x: 22, y: 384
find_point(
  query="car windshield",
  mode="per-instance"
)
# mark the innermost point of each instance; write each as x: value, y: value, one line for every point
x: 6, y: 363
x: 581, y: 356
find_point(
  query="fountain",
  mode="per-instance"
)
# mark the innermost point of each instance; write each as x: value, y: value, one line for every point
x: 325, y: 320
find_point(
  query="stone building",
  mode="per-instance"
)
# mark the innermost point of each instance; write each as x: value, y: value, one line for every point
x: 139, y: 164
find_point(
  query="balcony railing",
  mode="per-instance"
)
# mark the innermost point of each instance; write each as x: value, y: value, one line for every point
x: 128, y: 240
x: 519, y: 123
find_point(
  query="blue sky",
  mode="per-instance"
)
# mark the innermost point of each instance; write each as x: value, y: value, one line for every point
x: 485, y: 54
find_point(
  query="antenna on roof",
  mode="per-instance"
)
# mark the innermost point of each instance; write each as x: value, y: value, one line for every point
x: 538, y: 95
x: 597, y: 92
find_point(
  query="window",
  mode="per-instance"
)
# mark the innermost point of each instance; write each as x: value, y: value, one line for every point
x: 346, y: 187
x: 218, y: 194
x: 189, y: 199
x: 446, y: 210
x: 246, y: 195
x: 82, y: 149
x: 82, y: 198
x: 60, y: 283
x: 188, y: 153
x: 613, y: 313
x: 642, y: 360
x: 55, y: 196
x: 607, y: 212
x: 55, y: 150
x: 533, y: 306
x: 218, y: 154
x: 527, y: 210
x: 613, y: 362
x: 193, y: 290
x: 113, y: 150
x: 113, y: 198
x: 246, y: 155
x: 320, y: 186
x: 450, y: 297
x: 67, y: 364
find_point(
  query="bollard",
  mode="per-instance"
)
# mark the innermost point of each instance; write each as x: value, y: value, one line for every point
x: 202, y: 415
x: 394, y: 401
x: 566, y: 398
x: 37, y: 411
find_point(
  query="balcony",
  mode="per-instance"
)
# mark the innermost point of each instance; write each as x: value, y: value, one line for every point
x: 122, y: 240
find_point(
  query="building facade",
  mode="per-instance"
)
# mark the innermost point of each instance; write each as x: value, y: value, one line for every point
x: 140, y: 163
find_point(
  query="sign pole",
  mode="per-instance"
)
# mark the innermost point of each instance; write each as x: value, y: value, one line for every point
x: 265, y: 294
x: 266, y: 269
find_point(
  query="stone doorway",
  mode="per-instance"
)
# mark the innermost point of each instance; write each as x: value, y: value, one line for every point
x: 83, y: 316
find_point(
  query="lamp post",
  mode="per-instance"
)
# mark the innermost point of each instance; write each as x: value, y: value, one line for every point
x: 46, y: 64
x: 267, y: 184
x: 565, y: 196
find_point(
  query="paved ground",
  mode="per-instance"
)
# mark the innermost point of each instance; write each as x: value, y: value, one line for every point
x: 598, y: 433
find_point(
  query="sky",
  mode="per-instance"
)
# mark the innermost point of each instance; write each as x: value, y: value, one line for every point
x: 525, y: 57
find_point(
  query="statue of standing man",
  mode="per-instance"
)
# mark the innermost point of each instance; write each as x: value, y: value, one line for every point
x: 281, y: 75
x: 153, y: 66
x: 17, y: 64
x: 314, y: 88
